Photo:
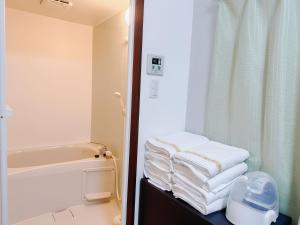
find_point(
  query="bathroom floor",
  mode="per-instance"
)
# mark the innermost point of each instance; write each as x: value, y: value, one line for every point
x: 100, y: 214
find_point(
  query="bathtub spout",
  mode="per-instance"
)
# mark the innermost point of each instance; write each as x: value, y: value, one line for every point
x: 101, y: 150
x: 108, y: 155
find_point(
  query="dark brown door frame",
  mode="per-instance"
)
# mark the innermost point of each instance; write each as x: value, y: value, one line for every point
x: 135, y: 109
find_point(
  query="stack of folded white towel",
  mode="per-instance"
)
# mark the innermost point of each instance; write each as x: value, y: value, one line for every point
x: 204, y: 175
x: 159, y: 154
x: 198, y: 171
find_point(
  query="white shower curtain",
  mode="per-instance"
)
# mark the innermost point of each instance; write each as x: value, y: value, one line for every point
x: 254, y: 90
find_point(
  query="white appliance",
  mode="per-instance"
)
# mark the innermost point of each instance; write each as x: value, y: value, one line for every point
x: 254, y: 200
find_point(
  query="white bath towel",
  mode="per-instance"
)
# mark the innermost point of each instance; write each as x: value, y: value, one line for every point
x: 156, y: 180
x: 212, y: 158
x: 169, y: 145
x: 161, y: 185
x: 160, y: 160
x: 225, y: 178
x: 199, y: 205
x: 200, y: 194
x: 214, y: 184
x: 153, y: 168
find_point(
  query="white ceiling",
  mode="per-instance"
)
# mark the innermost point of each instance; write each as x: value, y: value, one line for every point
x: 89, y: 12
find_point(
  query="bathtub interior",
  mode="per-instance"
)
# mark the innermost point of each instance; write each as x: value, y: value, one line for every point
x: 48, y: 188
x: 30, y: 157
x: 96, y: 214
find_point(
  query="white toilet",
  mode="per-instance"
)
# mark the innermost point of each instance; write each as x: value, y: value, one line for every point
x: 118, y: 220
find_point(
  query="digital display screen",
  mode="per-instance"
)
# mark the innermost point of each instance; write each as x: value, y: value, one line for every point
x: 156, y: 61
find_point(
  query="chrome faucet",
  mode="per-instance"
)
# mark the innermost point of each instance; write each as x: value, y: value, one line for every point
x: 101, y: 151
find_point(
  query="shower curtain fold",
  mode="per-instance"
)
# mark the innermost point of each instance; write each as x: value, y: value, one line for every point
x: 254, y: 90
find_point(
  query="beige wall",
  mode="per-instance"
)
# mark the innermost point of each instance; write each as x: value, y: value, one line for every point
x: 109, y: 76
x: 49, y: 66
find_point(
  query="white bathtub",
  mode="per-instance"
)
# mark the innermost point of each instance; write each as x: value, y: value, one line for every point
x: 55, y: 178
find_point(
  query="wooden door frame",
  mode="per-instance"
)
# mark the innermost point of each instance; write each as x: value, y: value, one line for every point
x: 135, y: 109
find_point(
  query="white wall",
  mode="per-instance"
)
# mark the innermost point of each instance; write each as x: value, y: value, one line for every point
x: 110, y: 53
x: 49, y: 67
x: 183, y: 31
x: 110, y: 50
x: 204, y: 26
x: 167, y: 32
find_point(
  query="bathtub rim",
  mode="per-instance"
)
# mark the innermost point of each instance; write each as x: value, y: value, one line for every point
x: 92, y: 146
x: 14, y: 171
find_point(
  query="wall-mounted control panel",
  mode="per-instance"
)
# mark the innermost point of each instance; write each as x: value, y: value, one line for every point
x: 155, y: 65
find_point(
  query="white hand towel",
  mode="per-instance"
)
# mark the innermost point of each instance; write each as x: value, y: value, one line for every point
x: 214, y: 184
x: 169, y: 145
x: 213, y: 158
x: 201, y: 206
x: 201, y: 195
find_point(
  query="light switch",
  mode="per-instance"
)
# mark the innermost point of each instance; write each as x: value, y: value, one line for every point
x: 154, y: 86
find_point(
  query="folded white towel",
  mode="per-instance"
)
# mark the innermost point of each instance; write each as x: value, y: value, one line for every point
x: 157, y: 181
x: 188, y: 170
x: 212, y: 158
x: 152, y: 167
x: 225, y: 178
x: 214, y: 184
x: 155, y: 151
x: 169, y: 145
x: 161, y: 185
x: 201, y: 195
x: 199, y: 205
x: 159, y: 160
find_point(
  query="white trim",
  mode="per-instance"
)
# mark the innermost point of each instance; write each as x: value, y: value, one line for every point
x: 3, y: 125
x: 126, y: 146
